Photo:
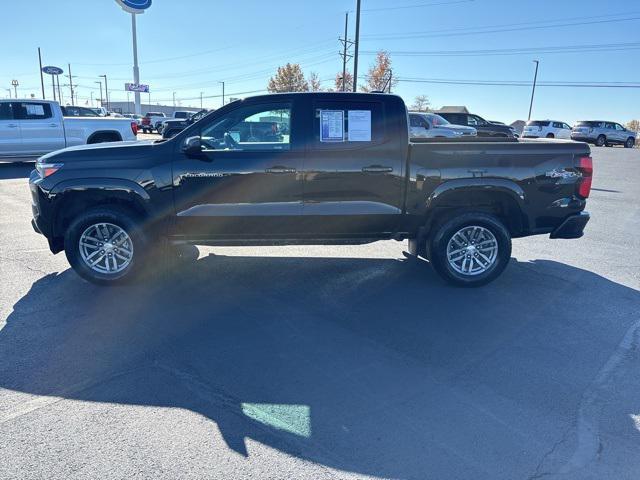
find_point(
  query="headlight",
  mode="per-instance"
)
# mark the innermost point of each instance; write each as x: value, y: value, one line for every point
x: 458, y: 132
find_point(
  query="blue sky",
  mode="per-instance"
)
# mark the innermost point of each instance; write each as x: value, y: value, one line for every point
x: 188, y: 46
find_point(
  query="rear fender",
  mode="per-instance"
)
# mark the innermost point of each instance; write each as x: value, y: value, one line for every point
x: 473, y: 192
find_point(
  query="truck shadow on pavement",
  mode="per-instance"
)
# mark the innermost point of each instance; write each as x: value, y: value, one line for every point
x: 371, y: 366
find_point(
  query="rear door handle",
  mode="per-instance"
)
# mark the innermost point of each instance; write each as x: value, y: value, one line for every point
x: 377, y: 169
x: 279, y: 169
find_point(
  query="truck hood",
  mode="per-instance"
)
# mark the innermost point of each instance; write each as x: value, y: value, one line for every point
x: 457, y: 128
x: 100, y: 150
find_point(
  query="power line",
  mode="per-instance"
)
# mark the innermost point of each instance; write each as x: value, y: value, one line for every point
x: 522, y: 83
x: 415, y: 5
x: 605, y: 47
x: 514, y: 27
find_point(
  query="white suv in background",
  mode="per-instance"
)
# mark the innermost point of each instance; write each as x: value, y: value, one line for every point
x: 546, y: 129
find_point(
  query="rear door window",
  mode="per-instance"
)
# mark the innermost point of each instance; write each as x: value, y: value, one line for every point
x: 340, y: 125
x: 34, y: 111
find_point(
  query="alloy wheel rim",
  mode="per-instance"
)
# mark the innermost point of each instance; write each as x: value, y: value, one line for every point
x: 472, y: 250
x: 106, y: 248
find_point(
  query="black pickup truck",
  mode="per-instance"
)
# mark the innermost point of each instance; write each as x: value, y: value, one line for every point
x: 340, y: 170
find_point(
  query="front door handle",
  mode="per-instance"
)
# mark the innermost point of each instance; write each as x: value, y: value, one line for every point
x: 12, y: 125
x: 377, y: 169
x: 280, y: 169
x: 53, y: 124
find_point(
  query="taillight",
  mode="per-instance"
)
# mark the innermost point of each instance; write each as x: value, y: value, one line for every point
x: 46, y: 169
x: 134, y: 128
x: 585, y: 166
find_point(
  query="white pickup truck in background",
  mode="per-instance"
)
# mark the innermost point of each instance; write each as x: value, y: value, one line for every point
x: 30, y: 128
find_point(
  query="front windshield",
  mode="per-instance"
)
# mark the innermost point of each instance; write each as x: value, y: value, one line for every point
x: 437, y: 120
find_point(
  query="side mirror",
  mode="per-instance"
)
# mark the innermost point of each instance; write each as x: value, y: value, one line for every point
x: 192, y: 147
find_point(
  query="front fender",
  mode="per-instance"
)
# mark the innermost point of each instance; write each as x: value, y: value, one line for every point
x: 69, y: 197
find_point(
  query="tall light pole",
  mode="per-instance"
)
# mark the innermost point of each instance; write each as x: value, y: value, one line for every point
x: 533, y: 91
x: 106, y: 89
x: 135, y: 7
x: 222, y: 93
x: 357, y: 47
x: 41, y: 76
x: 174, y: 102
x: 201, y: 100
x: 14, y: 84
x: 99, y: 82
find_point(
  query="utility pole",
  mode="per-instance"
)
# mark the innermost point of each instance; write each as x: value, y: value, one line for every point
x: 70, y: 83
x: 99, y: 82
x: 533, y: 91
x: 201, y: 100
x: 346, y: 44
x: 8, y: 90
x: 41, y: 76
x: 357, y: 46
x: 174, y: 102
x: 14, y: 84
x: 106, y: 89
x: 222, y: 93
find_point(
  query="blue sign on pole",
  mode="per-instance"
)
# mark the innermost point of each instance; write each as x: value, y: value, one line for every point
x: 51, y: 70
x: 134, y: 6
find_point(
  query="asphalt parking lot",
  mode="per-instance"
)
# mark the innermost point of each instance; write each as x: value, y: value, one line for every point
x: 327, y: 362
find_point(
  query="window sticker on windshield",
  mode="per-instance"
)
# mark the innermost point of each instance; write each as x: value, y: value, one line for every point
x: 359, y: 125
x: 35, y: 109
x: 331, y: 126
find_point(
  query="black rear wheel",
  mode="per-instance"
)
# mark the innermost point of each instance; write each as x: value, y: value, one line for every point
x: 470, y: 249
x: 601, y: 141
x: 630, y: 142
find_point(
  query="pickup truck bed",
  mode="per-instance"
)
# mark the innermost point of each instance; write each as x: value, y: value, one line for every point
x: 337, y: 168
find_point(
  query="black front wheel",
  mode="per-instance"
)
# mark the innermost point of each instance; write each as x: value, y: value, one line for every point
x: 105, y: 245
x: 470, y: 249
x: 601, y: 141
x: 630, y: 142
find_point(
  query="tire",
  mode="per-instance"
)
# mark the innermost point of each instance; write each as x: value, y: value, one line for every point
x: 485, y: 229
x: 80, y: 255
x: 630, y: 142
x: 550, y: 135
x: 601, y: 141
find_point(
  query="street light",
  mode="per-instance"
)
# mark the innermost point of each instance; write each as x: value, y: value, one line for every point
x: 99, y: 82
x: 533, y: 91
x: 222, y: 93
x: 14, y: 84
x: 106, y: 89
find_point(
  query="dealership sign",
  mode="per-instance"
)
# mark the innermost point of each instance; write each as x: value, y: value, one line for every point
x: 136, y: 87
x: 50, y: 70
x: 134, y: 6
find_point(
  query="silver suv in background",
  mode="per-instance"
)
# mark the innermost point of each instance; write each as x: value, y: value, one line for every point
x: 430, y: 125
x: 603, y: 133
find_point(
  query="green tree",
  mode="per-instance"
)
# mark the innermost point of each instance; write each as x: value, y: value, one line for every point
x: 288, y: 78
